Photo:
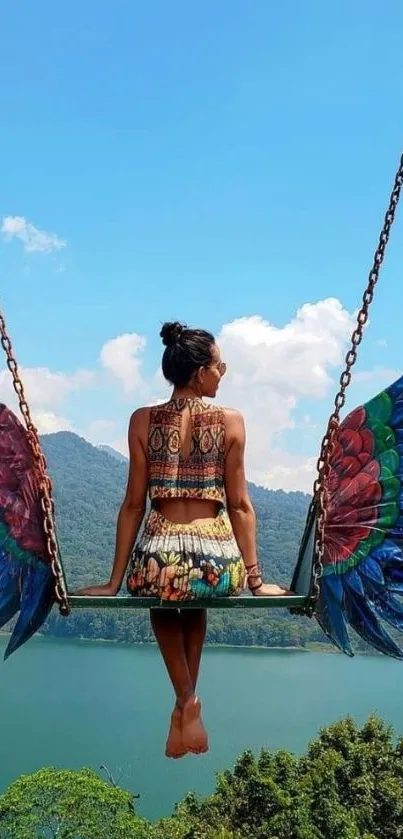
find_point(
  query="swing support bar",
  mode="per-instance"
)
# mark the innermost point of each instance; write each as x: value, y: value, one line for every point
x: 243, y: 602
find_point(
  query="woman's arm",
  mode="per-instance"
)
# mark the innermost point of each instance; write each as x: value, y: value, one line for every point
x: 133, y: 507
x: 240, y: 509
x: 239, y: 505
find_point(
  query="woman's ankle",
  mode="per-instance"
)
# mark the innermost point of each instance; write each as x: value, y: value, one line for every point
x: 182, y: 700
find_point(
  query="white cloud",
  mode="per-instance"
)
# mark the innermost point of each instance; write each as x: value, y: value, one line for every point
x: 99, y: 430
x: 44, y: 391
x: 100, y: 426
x: 43, y: 388
x: 48, y: 422
x: 121, y: 445
x: 378, y: 376
x: 32, y: 238
x: 121, y: 356
x: 365, y: 384
x: 270, y: 371
x: 276, y: 377
x: 284, y: 470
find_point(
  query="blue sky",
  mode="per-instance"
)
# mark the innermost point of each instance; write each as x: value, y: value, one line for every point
x: 205, y: 162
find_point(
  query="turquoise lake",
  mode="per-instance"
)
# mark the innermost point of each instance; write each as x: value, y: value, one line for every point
x: 75, y: 704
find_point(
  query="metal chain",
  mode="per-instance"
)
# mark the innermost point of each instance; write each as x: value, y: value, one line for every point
x: 323, y: 463
x: 44, y: 482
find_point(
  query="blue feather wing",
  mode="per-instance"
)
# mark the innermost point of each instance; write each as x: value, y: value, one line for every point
x: 362, y: 579
x: 26, y: 579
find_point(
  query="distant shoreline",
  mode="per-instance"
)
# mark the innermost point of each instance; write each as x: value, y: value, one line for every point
x: 309, y: 648
x: 312, y: 647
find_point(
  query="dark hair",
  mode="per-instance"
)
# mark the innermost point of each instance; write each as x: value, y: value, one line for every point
x: 185, y: 351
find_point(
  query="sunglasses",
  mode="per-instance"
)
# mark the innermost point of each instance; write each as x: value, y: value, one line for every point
x: 221, y: 367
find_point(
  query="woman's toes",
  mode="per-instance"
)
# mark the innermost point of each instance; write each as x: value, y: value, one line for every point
x: 194, y: 735
x: 174, y: 745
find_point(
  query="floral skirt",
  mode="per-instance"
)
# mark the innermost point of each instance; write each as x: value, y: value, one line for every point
x: 186, y: 561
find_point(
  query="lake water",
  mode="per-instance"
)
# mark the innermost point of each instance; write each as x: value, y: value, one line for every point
x: 76, y: 704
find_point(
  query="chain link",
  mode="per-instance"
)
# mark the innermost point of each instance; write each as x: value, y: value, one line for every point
x: 44, y: 482
x: 319, y: 491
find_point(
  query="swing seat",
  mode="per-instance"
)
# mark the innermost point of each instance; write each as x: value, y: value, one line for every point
x: 300, y: 601
x: 292, y: 601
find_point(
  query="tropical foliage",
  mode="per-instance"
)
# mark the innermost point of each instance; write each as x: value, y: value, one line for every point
x: 348, y: 785
x: 62, y: 804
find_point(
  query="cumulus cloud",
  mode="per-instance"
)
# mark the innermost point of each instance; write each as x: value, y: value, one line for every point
x: 121, y: 445
x: 98, y: 430
x: 122, y: 356
x: 378, y: 376
x: 277, y: 376
x: 32, y: 238
x: 47, y: 422
x: 271, y: 370
x: 99, y: 426
x: 44, y: 388
x: 44, y: 391
x: 284, y: 470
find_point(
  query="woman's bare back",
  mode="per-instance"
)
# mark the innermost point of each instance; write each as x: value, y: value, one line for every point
x: 187, y: 510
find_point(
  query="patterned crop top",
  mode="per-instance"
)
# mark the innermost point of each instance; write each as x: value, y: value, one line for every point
x: 199, y: 474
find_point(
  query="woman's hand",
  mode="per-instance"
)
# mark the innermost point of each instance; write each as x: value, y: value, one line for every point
x: 266, y: 590
x: 260, y: 589
x: 105, y: 590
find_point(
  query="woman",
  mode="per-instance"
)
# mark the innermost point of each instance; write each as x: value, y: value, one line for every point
x: 189, y: 456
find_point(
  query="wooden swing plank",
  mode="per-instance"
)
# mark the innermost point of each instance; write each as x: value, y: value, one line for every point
x: 292, y: 601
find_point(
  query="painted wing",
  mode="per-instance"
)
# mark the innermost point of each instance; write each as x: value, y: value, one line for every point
x: 26, y: 579
x: 362, y: 583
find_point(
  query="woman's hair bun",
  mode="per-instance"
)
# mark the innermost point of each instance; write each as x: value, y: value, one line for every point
x: 186, y: 350
x: 171, y: 333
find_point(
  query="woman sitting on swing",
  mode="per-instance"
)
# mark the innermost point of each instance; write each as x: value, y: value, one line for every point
x: 189, y: 456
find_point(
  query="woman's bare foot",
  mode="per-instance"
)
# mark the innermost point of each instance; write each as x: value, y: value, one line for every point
x: 194, y: 735
x: 174, y: 746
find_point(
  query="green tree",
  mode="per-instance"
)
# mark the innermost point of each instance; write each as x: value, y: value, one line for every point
x: 348, y: 785
x: 63, y: 804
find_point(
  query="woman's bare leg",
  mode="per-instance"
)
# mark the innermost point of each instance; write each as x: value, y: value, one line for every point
x: 194, y: 622
x: 168, y: 629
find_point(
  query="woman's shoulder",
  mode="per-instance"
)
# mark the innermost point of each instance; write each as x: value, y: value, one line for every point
x: 229, y: 413
x: 233, y: 421
x: 142, y: 417
x: 234, y: 425
x: 143, y: 414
